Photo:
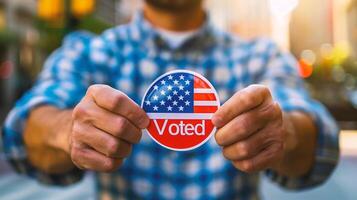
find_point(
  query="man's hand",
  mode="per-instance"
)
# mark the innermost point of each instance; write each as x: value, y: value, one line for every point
x: 106, y: 123
x: 250, y: 130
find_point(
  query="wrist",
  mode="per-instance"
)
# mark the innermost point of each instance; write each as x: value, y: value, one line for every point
x: 300, y: 145
x: 290, y: 143
x: 61, y: 127
x: 45, y: 137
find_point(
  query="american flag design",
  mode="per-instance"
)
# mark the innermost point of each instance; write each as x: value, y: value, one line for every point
x: 180, y: 105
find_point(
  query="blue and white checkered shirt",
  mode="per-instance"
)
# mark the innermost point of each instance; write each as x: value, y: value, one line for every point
x: 129, y: 58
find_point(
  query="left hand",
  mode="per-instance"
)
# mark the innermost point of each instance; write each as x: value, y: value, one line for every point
x: 250, y: 130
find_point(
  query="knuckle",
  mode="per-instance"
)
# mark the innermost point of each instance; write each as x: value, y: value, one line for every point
x: 112, y: 147
x: 121, y: 124
x: 243, y: 149
x: 244, y: 125
x: 226, y: 153
x: 278, y: 110
x: 264, y: 90
x: 247, y: 166
x: 109, y: 165
x: 93, y: 89
x: 117, y: 99
x: 247, y: 98
x: 75, y: 155
x: 254, y: 87
x: 138, y: 137
x: 76, y: 131
x: 79, y: 111
x: 218, y: 138
x: 261, y: 92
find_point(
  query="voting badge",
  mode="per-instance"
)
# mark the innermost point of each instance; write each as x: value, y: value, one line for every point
x: 180, y: 105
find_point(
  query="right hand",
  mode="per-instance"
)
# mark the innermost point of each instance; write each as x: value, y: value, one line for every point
x: 106, y: 123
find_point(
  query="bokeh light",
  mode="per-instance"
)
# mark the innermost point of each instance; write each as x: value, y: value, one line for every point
x: 341, y: 52
x: 50, y: 9
x: 326, y: 51
x: 81, y: 8
x: 305, y: 69
x: 308, y: 56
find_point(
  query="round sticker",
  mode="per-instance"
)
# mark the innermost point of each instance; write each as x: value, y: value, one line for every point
x: 180, y: 105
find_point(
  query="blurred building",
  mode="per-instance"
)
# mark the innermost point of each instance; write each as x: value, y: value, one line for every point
x: 311, y: 25
x: 24, y: 22
x: 255, y: 18
x: 16, y: 32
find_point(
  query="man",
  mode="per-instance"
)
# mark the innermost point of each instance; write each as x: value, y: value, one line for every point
x: 83, y: 113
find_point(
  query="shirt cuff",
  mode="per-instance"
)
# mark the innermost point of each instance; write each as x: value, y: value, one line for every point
x: 23, y: 166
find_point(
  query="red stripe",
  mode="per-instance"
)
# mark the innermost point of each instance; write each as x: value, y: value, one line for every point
x: 199, y: 83
x: 204, y: 97
x: 205, y: 109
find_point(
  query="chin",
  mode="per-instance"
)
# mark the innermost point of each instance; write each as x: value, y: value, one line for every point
x: 174, y: 5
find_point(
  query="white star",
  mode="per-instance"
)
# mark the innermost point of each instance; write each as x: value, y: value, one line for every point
x: 155, y: 97
x: 169, y: 108
x: 187, y: 103
x: 180, y: 108
x: 162, y: 92
x: 162, y: 102
x: 187, y: 82
x: 169, y: 97
x: 156, y: 108
x: 163, y: 82
x: 187, y: 92
x: 169, y: 87
x: 181, y: 97
x: 148, y: 103
x: 170, y: 77
x: 176, y: 82
x: 181, y: 87
x: 175, y: 92
x: 182, y: 77
x: 156, y: 87
x: 174, y: 103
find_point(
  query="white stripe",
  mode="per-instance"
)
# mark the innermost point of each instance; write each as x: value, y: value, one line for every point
x: 202, y: 91
x: 205, y: 103
x: 179, y: 116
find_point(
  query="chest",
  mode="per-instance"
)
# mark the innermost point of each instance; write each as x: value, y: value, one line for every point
x: 136, y: 69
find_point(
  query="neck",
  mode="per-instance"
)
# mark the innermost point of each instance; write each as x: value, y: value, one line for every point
x: 178, y: 21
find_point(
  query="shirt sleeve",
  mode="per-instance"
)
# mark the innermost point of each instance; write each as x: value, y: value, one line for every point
x: 281, y: 76
x: 62, y: 83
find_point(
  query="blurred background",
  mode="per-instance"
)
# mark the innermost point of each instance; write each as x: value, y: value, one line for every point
x: 322, y: 34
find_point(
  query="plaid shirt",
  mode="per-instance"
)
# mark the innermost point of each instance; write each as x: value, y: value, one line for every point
x: 129, y: 58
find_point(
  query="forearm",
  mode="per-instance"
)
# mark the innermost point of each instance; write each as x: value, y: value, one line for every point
x: 299, y: 151
x: 46, y: 139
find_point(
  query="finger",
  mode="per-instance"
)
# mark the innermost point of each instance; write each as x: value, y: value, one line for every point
x: 109, y: 122
x: 101, y: 141
x: 119, y: 103
x: 262, y: 161
x: 246, y: 124
x: 241, y: 102
x: 86, y: 158
x: 247, y: 148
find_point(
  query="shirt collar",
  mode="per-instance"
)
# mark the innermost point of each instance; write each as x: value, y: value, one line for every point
x: 148, y: 35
